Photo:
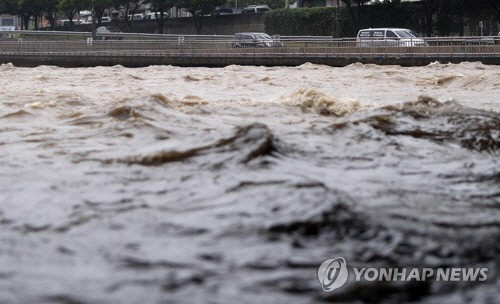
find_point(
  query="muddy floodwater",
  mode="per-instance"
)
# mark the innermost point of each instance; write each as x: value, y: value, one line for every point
x: 232, y: 185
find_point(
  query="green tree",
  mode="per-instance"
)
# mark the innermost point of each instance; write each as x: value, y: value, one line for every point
x: 495, y: 5
x: 444, y: 17
x: 127, y: 8
x: 357, y: 14
x: 160, y: 7
x: 70, y: 8
x: 449, y: 17
x: 429, y: 8
x: 198, y: 9
x: 100, y: 7
x: 315, y: 21
x: 49, y: 10
x: 8, y: 7
x: 28, y: 9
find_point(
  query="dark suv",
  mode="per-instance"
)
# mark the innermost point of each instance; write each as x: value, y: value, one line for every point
x: 254, y: 40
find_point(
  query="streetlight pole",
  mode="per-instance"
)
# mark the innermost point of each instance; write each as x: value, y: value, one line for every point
x: 93, y: 20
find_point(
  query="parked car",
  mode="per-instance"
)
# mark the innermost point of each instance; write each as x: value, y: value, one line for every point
x: 254, y: 40
x: 105, y: 19
x: 388, y: 37
x: 103, y: 33
x: 153, y: 16
x: 220, y: 10
x: 65, y: 22
x: 135, y: 17
x: 255, y: 9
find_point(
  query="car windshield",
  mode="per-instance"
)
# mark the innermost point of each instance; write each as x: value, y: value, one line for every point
x: 263, y: 36
x: 405, y: 34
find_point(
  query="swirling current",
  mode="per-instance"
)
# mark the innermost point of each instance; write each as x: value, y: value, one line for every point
x: 232, y: 185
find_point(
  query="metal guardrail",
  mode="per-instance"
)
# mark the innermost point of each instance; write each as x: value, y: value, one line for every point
x: 41, y: 35
x: 65, y: 35
x: 126, y: 44
x: 220, y: 47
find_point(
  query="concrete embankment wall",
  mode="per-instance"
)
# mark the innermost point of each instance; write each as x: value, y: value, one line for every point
x: 219, y: 61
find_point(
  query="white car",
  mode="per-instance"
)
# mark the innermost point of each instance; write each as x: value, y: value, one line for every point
x: 135, y: 17
x: 374, y: 37
x: 153, y: 16
x: 255, y: 9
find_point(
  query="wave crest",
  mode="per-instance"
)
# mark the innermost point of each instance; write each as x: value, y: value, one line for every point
x: 6, y: 66
x: 309, y: 99
x: 430, y: 119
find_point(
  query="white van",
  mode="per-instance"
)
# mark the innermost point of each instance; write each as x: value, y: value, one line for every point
x: 388, y: 37
x: 256, y: 9
x: 135, y: 17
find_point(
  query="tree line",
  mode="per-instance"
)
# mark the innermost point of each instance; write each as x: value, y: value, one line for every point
x: 429, y: 17
x: 51, y: 9
x: 441, y: 17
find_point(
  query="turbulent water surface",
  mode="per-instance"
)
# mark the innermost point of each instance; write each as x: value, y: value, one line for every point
x: 232, y: 185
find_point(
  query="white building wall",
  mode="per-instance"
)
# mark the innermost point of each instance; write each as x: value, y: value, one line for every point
x: 9, y: 20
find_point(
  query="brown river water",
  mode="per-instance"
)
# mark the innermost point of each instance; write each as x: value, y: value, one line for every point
x: 232, y: 185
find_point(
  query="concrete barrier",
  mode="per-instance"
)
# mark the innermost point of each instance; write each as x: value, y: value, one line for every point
x: 188, y: 60
x: 217, y: 53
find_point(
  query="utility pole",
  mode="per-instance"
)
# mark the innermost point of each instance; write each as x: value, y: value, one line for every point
x: 287, y: 3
